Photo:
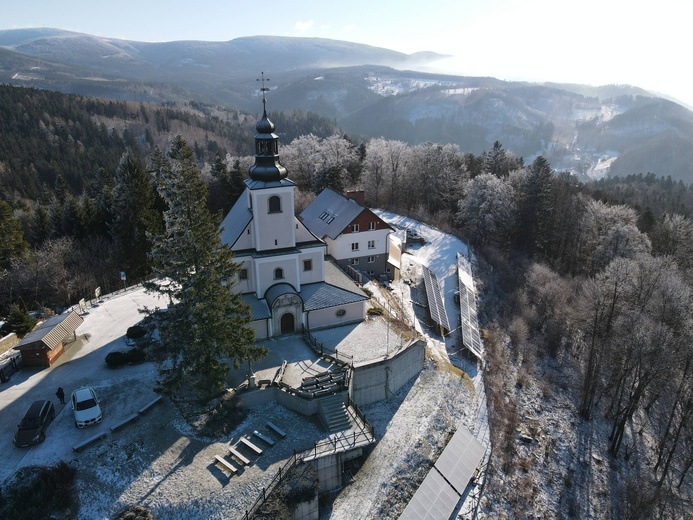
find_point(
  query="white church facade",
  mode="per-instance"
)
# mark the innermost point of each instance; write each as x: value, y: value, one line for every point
x: 283, y: 276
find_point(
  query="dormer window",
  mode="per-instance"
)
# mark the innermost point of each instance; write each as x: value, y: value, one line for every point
x: 279, y: 273
x: 275, y: 204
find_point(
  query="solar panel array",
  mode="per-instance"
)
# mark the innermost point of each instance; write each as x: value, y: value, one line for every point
x: 439, y: 493
x: 469, y: 321
x: 436, y: 305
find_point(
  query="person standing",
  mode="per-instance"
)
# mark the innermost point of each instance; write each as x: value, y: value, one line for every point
x: 61, y: 395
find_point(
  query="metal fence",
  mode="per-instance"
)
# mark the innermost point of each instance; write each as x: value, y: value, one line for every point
x: 332, y: 355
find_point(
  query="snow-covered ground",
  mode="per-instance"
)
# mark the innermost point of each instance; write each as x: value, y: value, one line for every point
x: 159, y: 462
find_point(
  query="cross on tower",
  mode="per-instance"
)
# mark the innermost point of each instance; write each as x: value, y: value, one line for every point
x: 263, y: 89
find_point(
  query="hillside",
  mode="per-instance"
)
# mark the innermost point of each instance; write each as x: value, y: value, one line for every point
x: 45, y: 135
x: 590, y: 131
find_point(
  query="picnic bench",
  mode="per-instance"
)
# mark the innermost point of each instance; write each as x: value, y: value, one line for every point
x: 263, y: 438
x: 239, y: 455
x: 221, y: 460
x: 276, y: 429
x: 250, y: 445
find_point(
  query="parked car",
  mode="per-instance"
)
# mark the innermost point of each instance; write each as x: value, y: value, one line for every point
x: 86, y: 407
x: 32, y: 429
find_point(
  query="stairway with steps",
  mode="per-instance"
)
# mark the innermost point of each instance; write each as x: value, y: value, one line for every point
x: 333, y: 413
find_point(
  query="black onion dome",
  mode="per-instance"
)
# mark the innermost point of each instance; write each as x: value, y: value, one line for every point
x: 266, y: 167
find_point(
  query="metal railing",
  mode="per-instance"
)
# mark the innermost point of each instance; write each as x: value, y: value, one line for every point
x: 266, y: 490
x: 332, y: 355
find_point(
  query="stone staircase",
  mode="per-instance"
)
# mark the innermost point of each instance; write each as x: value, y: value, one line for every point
x: 333, y: 413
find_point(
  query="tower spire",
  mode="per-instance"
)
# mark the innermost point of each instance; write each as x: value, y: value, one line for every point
x: 267, y: 167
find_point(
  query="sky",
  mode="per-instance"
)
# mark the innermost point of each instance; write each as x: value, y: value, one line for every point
x: 595, y: 42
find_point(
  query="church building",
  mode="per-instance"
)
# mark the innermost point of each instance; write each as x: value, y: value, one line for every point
x: 283, y: 275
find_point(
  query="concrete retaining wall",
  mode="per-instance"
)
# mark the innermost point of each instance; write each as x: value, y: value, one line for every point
x: 307, y: 510
x: 379, y: 380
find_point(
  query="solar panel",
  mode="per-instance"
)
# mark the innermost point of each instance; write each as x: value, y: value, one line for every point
x: 469, y: 321
x: 460, y: 458
x: 434, y: 500
x: 434, y: 294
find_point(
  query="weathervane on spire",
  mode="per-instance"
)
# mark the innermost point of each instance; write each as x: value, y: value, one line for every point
x: 263, y: 89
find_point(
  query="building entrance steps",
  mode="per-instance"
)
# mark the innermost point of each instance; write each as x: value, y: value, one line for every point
x: 333, y: 413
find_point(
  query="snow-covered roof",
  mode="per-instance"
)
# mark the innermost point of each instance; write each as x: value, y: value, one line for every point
x: 330, y: 213
x: 235, y: 222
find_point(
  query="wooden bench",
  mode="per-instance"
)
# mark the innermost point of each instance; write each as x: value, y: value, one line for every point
x: 221, y: 460
x: 263, y: 438
x: 239, y: 455
x: 276, y: 429
x: 147, y: 406
x: 87, y: 442
x: 251, y: 445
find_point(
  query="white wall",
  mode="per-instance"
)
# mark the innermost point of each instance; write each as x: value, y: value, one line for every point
x: 328, y: 318
x: 341, y: 248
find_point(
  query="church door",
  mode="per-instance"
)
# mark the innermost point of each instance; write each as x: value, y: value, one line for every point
x: 287, y: 323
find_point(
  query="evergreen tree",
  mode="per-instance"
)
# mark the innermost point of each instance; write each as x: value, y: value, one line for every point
x: 12, y: 241
x: 134, y: 216
x: 207, y: 323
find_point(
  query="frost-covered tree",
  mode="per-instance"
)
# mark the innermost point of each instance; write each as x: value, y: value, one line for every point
x: 208, y: 323
x: 487, y: 211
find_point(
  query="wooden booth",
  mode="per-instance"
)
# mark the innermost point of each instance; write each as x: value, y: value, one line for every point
x: 43, y: 345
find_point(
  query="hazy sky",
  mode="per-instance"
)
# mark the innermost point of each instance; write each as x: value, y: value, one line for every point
x: 596, y: 42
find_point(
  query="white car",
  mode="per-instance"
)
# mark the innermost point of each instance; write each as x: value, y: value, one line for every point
x: 86, y: 407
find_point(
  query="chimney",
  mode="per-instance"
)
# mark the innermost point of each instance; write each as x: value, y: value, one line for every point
x: 358, y: 196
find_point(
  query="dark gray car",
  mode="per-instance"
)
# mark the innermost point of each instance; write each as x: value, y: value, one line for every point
x: 32, y: 429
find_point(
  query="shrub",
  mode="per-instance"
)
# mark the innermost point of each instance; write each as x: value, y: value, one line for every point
x: 131, y: 357
x: 375, y: 311
x: 136, y: 332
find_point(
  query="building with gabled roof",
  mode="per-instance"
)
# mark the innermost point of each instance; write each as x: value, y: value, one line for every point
x: 354, y: 235
x: 43, y: 345
x: 283, y: 275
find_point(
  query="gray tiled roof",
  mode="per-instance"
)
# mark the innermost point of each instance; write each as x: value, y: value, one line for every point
x: 235, y: 222
x: 322, y: 295
x: 258, y: 308
x: 261, y: 185
x: 342, y: 211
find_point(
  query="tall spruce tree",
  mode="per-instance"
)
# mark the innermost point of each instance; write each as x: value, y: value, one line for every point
x: 208, y: 324
x: 133, y: 216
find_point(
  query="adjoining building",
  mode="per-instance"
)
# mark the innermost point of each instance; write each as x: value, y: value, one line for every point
x: 355, y: 236
x: 283, y: 274
x: 46, y: 343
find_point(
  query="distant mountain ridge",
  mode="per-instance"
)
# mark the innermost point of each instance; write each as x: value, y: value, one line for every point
x: 370, y: 91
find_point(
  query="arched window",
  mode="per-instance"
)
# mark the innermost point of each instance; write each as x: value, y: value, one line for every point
x: 278, y: 273
x: 275, y: 204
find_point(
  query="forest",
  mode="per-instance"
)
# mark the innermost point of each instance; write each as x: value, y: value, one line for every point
x: 592, y: 279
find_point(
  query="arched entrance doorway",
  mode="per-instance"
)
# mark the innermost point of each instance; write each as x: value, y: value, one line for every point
x: 287, y: 323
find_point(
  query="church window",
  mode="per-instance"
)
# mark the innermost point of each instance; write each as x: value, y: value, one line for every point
x: 275, y: 204
x: 279, y: 273
x: 354, y: 228
x: 371, y: 244
x: 354, y: 246
x: 371, y: 226
x: 307, y: 265
x: 243, y: 274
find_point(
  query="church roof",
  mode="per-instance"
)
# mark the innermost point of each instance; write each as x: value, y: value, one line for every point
x: 277, y: 290
x: 235, y: 222
x: 258, y: 308
x: 330, y: 213
x: 254, y: 184
x: 322, y: 295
